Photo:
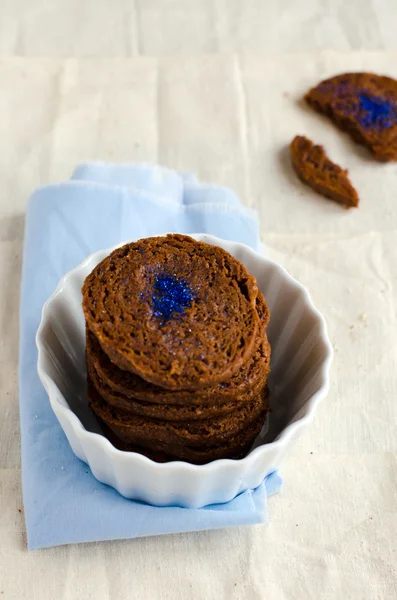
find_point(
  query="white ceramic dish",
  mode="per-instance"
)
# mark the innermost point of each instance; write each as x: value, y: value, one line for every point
x: 301, y: 358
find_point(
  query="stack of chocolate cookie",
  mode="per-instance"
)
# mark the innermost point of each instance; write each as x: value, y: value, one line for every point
x: 177, y: 354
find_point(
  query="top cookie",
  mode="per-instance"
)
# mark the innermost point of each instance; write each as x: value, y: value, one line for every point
x: 245, y: 384
x: 179, y: 313
x: 365, y: 106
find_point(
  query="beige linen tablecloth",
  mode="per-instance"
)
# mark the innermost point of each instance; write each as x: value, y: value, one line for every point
x: 228, y: 117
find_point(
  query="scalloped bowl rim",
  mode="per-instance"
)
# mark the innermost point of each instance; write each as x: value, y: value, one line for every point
x: 282, y: 439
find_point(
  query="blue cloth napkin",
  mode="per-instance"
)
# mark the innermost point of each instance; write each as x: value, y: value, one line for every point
x: 101, y: 206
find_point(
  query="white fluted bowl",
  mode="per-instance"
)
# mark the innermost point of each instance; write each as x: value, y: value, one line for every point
x: 301, y: 358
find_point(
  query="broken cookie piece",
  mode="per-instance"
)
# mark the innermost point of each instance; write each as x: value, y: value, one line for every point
x: 315, y: 169
x: 364, y: 105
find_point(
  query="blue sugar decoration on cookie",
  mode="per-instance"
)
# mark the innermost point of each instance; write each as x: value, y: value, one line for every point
x: 376, y: 112
x: 370, y: 111
x: 170, y: 295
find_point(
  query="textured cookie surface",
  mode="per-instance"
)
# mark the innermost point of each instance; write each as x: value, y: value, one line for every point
x: 162, y: 412
x: 314, y: 168
x: 239, y: 448
x: 180, y: 314
x: 245, y: 384
x: 207, y: 433
x: 126, y: 437
x: 365, y: 106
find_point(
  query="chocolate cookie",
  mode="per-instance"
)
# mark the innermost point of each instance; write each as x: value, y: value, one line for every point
x: 174, y: 435
x: 314, y: 168
x: 239, y: 449
x: 120, y: 436
x: 365, y: 106
x: 247, y: 382
x: 163, y: 412
x: 180, y: 314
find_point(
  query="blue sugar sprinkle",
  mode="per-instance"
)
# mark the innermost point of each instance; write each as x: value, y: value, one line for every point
x: 370, y: 111
x: 170, y: 295
x: 376, y: 112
